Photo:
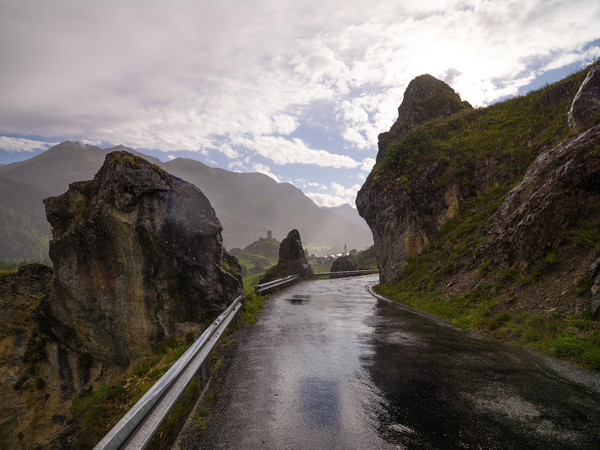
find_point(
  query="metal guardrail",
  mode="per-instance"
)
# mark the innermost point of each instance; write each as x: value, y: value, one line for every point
x: 260, y: 288
x: 347, y: 273
x: 138, y: 426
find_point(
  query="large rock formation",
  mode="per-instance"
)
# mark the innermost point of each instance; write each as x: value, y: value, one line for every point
x: 292, y: 260
x: 426, y: 98
x: 415, y: 189
x: 585, y: 110
x: 556, y: 191
x: 342, y: 264
x: 137, y: 258
x: 403, y: 220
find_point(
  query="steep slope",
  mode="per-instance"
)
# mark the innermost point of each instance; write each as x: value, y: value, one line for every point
x: 490, y: 218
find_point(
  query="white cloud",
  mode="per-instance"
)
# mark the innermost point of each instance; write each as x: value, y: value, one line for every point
x: 294, y: 151
x: 367, y: 164
x: 244, y: 79
x: 336, y: 195
x: 11, y: 144
x: 95, y: 143
x: 354, y: 137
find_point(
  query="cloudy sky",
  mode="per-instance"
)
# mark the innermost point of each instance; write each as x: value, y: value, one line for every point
x: 297, y: 90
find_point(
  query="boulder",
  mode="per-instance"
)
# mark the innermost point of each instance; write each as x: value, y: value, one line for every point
x: 426, y: 98
x: 292, y: 260
x: 138, y: 258
x: 594, y: 274
x: 342, y: 264
x: 585, y: 110
x: 556, y: 191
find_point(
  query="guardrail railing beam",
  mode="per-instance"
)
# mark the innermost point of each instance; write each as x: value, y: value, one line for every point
x: 260, y: 288
x: 347, y: 272
x: 141, y: 422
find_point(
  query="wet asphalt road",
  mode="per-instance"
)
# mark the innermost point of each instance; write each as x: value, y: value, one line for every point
x: 330, y: 366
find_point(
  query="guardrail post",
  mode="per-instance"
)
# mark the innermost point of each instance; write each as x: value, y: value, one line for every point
x: 204, y: 373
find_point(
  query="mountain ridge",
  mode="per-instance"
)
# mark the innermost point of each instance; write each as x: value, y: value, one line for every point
x: 248, y: 204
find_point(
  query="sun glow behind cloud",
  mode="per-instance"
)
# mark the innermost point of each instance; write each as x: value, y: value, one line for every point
x: 267, y: 85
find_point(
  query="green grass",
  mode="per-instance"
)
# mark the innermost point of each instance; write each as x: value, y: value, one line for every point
x: 513, y: 133
x: 253, y: 305
x: 576, y: 338
x: 97, y: 411
x: 319, y: 268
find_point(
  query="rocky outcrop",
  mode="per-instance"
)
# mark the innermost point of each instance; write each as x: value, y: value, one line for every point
x: 426, y: 98
x: 38, y: 375
x: 403, y: 218
x: 342, y: 264
x: 557, y: 190
x: 534, y: 223
x: 594, y: 275
x: 585, y: 110
x: 31, y: 374
x: 137, y: 258
x: 292, y: 260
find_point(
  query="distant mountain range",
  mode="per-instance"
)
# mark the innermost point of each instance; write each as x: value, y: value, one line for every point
x: 247, y: 204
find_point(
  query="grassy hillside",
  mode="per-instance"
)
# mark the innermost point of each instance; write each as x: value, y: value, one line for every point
x: 514, y: 131
x: 520, y: 302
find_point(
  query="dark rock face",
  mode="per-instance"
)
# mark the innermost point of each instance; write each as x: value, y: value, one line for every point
x: 585, y: 110
x: 20, y: 294
x: 342, y: 264
x: 594, y: 274
x: 292, y: 260
x: 426, y: 98
x: 31, y: 377
x: 556, y: 190
x: 137, y: 258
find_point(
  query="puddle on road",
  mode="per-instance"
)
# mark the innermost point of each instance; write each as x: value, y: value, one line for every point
x: 298, y: 299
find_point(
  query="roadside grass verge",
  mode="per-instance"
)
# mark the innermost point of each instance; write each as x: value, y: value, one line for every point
x: 96, y: 412
x: 572, y: 338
